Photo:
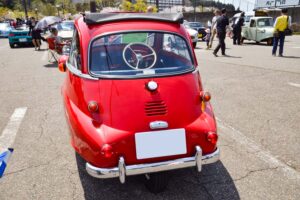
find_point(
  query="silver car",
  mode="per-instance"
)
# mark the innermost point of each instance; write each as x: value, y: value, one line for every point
x: 5, y: 29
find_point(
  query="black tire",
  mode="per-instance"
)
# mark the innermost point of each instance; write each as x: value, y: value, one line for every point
x: 270, y: 41
x: 194, y: 44
x: 12, y: 45
x: 157, y: 182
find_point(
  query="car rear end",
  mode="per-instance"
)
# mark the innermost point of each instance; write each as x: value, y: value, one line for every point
x: 19, y: 37
x: 143, y: 108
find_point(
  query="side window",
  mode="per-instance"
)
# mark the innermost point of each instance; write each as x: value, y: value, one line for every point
x: 175, y: 44
x: 75, y: 57
x: 252, y: 23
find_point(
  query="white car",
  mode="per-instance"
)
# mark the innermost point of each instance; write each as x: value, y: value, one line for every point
x: 193, y: 33
x: 65, y: 29
x: 260, y: 29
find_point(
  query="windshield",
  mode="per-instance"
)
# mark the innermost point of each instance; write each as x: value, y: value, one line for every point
x: 248, y: 17
x: 265, y: 22
x: 65, y: 26
x: 141, y: 54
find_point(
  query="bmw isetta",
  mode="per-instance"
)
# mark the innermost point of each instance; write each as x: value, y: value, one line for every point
x: 133, y: 97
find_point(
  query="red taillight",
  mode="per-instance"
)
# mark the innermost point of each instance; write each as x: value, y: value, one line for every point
x: 93, y: 106
x: 107, y: 151
x: 205, y: 96
x: 11, y: 35
x: 212, y: 137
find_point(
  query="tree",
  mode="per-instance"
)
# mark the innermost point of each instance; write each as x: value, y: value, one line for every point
x: 126, y: 5
x: 140, y: 6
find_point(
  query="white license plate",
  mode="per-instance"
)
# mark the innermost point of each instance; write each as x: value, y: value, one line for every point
x: 22, y: 40
x: 155, y: 144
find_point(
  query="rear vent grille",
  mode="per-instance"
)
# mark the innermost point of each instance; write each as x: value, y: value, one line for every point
x: 154, y: 108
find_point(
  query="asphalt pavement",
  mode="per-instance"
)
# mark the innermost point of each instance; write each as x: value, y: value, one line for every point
x: 256, y: 99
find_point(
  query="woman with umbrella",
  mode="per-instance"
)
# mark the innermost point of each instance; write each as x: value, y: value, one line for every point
x: 42, y: 24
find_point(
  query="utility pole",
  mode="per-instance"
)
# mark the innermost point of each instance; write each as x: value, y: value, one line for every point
x: 92, y: 6
x: 194, y: 10
x: 25, y: 9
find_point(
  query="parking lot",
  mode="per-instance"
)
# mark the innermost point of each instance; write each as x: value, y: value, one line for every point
x: 255, y: 97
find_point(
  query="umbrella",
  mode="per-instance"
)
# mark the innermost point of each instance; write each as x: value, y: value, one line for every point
x: 47, y: 21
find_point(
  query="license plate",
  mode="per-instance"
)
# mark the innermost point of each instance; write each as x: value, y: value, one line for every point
x: 199, y: 35
x: 22, y: 40
x: 155, y: 144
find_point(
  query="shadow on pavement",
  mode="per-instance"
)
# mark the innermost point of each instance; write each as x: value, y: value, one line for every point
x: 297, y: 57
x: 51, y: 65
x: 256, y: 44
x: 214, y: 182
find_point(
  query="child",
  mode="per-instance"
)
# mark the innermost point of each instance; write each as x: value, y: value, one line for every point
x: 207, y: 37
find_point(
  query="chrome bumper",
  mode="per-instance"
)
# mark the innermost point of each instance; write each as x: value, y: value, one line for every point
x: 122, y: 170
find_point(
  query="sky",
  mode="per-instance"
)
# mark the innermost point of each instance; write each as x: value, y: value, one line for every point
x: 244, y: 4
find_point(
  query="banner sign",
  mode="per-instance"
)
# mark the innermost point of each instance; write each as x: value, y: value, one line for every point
x: 276, y: 3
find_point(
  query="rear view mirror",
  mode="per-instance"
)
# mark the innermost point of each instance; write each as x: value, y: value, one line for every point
x: 62, y: 63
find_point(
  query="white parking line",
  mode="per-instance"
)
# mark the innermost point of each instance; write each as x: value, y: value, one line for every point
x: 9, y: 133
x: 257, y: 150
x: 294, y: 84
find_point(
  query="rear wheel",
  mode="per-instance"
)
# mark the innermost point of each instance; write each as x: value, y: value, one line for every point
x: 156, y: 182
x: 270, y: 41
x: 12, y: 45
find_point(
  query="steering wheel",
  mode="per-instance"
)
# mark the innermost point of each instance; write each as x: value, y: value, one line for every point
x: 139, y: 56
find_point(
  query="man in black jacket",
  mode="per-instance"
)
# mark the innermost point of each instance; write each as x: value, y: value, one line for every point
x: 237, y: 29
x: 222, y: 23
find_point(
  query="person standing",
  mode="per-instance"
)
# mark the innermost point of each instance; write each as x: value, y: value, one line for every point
x: 281, y: 24
x: 214, y: 27
x: 36, y: 38
x: 237, y: 29
x: 31, y: 24
x: 222, y: 23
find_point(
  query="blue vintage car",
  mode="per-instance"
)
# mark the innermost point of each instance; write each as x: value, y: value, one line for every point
x: 19, y: 36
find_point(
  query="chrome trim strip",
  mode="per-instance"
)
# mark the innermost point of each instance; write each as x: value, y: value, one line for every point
x: 78, y: 73
x: 158, y: 125
x: 197, y: 160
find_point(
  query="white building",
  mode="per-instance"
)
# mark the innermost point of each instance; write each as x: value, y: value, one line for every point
x: 163, y: 4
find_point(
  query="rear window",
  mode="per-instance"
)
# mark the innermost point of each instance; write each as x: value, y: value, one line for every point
x: 265, y: 22
x: 139, y: 54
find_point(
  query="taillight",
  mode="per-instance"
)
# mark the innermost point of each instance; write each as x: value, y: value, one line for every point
x: 11, y: 35
x: 212, y: 137
x: 93, y: 106
x: 204, y: 97
x: 107, y: 151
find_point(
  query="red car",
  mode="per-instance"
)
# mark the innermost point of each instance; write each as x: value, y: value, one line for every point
x: 133, y: 97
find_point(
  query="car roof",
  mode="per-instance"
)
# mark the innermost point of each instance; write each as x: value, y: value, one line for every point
x: 100, y: 18
x: 262, y: 17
